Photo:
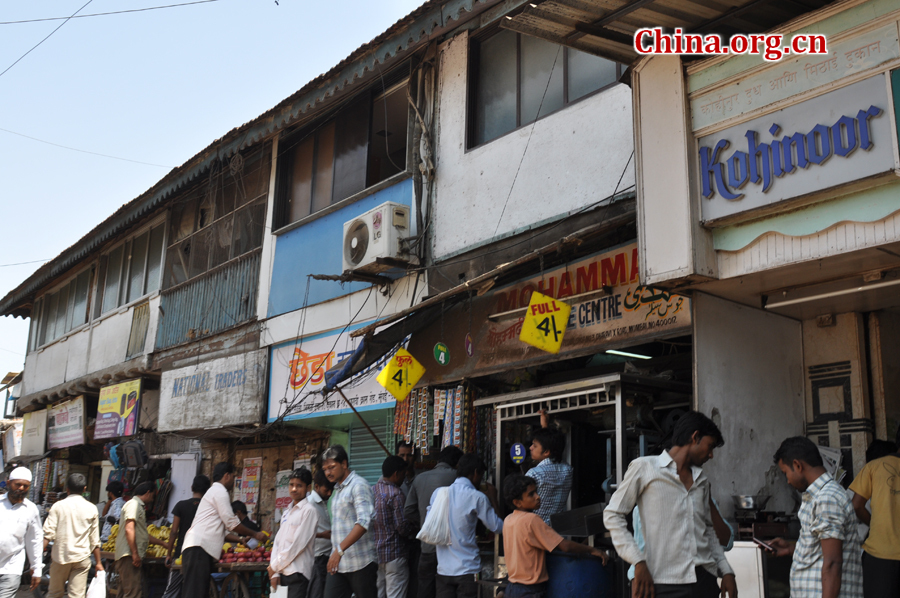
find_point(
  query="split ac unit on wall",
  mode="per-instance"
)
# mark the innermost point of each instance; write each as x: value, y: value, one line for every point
x: 377, y: 234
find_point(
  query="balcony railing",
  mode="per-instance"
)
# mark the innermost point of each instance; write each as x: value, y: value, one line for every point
x: 220, y: 299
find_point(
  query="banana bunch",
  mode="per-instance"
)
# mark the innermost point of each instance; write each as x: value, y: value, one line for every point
x: 161, y: 533
x: 110, y: 545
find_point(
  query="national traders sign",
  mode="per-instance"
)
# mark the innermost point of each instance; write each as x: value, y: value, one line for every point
x: 610, y: 308
x: 837, y: 138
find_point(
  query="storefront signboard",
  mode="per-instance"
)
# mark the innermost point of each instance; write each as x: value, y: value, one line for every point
x: 297, y: 377
x: 613, y: 310
x: 836, y: 138
x: 12, y: 441
x: 118, y: 410
x: 65, y: 424
x: 793, y: 76
x: 212, y: 394
x: 34, y: 433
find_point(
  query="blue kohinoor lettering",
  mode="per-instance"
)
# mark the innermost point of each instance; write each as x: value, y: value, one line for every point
x: 763, y: 162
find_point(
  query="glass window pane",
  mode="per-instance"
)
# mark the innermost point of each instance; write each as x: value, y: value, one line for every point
x: 588, y: 73
x: 249, y: 224
x: 301, y: 179
x: 34, y: 326
x: 541, y: 89
x: 51, y: 317
x: 226, y: 199
x: 138, y: 263
x: 154, y: 261
x: 126, y: 264
x: 184, y: 216
x: 111, y: 285
x: 178, y: 259
x: 82, y: 288
x: 324, y: 167
x: 495, y: 104
x: 221, y: 250
x: 207, y: 205
x: 387, y: 145
x: 200, y: 250
x: 70, y: 305
x: 60, y: 328
x: 351, y: 148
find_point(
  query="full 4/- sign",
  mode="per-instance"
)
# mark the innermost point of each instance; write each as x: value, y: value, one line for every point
x: 400, y: 374
x: 545, y: 323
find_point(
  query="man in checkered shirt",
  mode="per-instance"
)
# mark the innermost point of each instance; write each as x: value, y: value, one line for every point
x: 827, y: 557
x: 553, y: 477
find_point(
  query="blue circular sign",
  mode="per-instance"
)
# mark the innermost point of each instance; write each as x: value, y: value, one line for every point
x: 517, y: 453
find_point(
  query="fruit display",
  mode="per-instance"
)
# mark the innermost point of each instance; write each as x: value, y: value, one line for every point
x: 110, y: 545
x: 160, y: 533
x: 238, y: 553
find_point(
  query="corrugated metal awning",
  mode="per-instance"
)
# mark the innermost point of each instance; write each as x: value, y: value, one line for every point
x: 606, y: 27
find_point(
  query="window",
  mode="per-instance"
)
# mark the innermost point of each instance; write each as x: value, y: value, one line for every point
x: 131, y: 270
x: 221, y: 219
x: 359, y: 146
x: 59, y: 312
x: 517, y: 79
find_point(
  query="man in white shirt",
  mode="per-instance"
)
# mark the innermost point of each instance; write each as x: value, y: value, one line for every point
x: 22, y: 534
x: 203, y: 542
x: 291, y: 564
x: 73, y: 525
x: 682, y: 556
x: 318, y: 498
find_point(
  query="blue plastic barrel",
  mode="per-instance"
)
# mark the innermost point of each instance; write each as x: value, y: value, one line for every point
x: 576, y: 576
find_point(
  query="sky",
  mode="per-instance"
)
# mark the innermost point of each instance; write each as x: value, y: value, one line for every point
x: 152, y: 88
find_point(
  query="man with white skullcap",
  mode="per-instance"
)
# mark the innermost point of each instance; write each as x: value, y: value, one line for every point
x: 21, y: 534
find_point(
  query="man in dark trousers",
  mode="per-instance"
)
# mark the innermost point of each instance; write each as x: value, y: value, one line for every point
x: 182, y: 518
x: 417, y: 501
x: 203, y: 541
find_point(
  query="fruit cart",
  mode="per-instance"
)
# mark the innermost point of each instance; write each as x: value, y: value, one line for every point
x: 156, y: 574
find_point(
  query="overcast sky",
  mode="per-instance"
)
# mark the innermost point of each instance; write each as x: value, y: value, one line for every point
x: 154, y: 87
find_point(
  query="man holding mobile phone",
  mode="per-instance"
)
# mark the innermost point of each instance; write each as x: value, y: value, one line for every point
x: 826, y: 557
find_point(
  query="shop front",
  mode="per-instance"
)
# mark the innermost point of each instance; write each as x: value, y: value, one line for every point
x: 768, y: 192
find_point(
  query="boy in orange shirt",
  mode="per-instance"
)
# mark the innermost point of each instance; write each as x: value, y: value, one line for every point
x: 526, y: 539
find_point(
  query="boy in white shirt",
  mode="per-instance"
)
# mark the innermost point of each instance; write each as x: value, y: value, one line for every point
x: 291, y: 564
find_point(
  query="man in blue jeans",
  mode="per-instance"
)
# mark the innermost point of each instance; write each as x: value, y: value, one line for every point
x: 459, y: 563
x: 352, y: 566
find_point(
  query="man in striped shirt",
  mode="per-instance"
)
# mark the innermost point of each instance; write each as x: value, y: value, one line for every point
x: 682, y: 556
x: 391, y: 530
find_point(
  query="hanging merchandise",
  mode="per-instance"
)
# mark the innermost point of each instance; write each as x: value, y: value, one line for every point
x: 436, y: 407
x: 457, y: 416
x: 161, y: 502
x: 447, y: 440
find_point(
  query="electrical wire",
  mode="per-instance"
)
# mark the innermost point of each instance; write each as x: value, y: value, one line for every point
x: 23, y: 263
x: 103, y: 14
x: 45, y: 39
x: 75, y: 149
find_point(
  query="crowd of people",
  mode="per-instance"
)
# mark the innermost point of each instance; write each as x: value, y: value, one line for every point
x: 341, y: 537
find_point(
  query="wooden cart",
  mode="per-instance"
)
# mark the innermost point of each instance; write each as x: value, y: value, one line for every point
x: 237, y: 583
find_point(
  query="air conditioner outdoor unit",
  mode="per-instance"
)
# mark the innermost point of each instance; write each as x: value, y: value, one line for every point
x: 376, y: 234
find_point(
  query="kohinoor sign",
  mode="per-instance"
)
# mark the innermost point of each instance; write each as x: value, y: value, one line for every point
x: 836, y: 138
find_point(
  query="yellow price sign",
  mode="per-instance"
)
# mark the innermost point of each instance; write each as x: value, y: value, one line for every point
x: 545, y: 323
x: 400, y: 374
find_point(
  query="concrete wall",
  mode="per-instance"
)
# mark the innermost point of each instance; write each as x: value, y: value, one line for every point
x: 574, y: 158
x: 749, y: 379
x: 316, y: 248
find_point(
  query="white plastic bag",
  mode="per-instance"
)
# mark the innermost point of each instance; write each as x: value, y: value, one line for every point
x: 436, y: 528
x: 97, y: 588
x: 279, y: 592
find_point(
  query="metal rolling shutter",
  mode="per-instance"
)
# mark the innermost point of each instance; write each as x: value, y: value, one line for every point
x: 366, y: 456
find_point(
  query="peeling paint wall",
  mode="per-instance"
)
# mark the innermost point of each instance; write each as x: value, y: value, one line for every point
x: 574, y: 158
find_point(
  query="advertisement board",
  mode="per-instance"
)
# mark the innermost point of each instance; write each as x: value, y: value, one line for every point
x: 297, y: 377
x: 65, y: 424
x: 34, y: 433
x: 118, y: 410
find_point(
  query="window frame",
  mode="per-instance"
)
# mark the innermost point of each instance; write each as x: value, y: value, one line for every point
x: 298, y: 134
x: 37, y: 330
x: 472, y: 68
x: 127, y: 245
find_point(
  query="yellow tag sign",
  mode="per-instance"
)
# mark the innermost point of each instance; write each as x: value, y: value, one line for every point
x: 400, y: 374
x: 545, y: 323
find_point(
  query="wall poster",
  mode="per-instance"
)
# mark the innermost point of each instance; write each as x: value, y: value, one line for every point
x: 118, y: 410
x: 65, y: 424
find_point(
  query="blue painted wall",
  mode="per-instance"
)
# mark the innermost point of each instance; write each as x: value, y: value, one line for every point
x: 315, y: 248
